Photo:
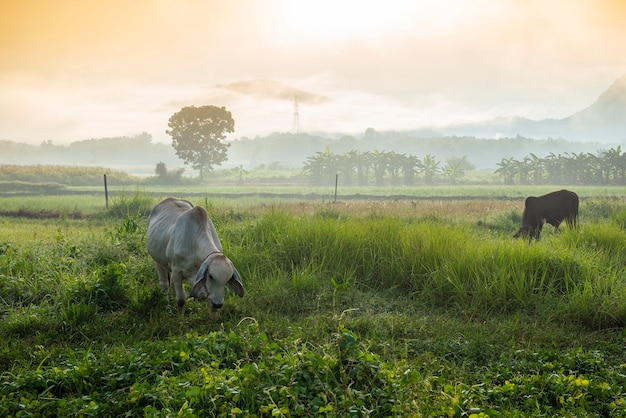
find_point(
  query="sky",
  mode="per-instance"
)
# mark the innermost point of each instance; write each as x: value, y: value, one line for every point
x: 72, y: 69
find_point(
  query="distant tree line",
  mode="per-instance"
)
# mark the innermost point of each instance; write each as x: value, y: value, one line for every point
x: 483, y: 153
x: 381, y: 168
x: 357, y: 160
x: 130, y: 152
x: 608, y: 167
x: 140, y: 153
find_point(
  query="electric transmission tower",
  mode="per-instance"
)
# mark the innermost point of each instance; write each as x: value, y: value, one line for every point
x: 295, y: 126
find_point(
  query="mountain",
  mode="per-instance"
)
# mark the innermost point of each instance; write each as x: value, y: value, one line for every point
x: 606, y: 117
x: 603, y: 121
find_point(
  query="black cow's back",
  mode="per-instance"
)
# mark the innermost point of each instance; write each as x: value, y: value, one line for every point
x: 552, y: 208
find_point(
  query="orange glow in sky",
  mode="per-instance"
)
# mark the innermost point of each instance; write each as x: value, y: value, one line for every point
x: 72, y: 70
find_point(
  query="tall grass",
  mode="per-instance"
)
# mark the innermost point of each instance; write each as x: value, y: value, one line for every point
x: 446, y: 265
x: 471, y: 267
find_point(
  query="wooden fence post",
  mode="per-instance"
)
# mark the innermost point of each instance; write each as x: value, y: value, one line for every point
x: 106, y: 192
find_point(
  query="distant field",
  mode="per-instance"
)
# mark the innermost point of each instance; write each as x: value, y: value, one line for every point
x: 358, y: 193
x: 90, y: 201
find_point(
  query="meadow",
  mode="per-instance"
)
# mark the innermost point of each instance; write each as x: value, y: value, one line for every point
x: 414, y: 307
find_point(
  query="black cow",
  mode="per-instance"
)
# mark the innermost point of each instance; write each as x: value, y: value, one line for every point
x: 552, y: 208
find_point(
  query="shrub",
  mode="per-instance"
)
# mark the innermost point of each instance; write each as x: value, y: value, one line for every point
x: 137, y: 205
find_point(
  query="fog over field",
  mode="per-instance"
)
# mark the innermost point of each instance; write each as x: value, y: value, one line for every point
x: 73, y: 71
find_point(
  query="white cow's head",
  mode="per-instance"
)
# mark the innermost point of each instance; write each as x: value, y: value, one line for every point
x: 216, y: 272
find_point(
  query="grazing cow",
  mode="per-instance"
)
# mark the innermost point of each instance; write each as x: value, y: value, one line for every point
x: 184, y: 245
x: 552, y: 208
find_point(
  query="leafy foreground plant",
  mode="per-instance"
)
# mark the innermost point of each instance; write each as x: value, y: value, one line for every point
x: 244, y: 373
x: 237, y: 373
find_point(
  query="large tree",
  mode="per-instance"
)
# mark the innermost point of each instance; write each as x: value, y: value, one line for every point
x: 197, y: 134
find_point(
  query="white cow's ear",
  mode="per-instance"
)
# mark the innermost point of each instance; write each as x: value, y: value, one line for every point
x: 197, y: 287
x: 199, y: 281
x: 235, y: 283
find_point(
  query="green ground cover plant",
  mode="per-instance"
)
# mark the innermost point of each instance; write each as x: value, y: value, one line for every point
x: 386, y: 308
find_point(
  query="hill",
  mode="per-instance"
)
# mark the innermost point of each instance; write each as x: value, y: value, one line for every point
x: 606, y: 117
x: 603, y: 121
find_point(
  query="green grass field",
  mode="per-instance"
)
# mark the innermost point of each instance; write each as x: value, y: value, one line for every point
x: 394, y: 307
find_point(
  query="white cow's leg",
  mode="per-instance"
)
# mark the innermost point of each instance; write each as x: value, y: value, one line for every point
x: 164, y: 279
x: 177, y: 279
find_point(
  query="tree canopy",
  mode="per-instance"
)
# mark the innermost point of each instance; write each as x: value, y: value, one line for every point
x: 197, y: 134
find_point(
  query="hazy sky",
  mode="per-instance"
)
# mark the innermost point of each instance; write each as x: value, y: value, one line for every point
x: 76, y: 69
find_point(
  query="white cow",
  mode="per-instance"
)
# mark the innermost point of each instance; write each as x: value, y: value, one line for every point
x: 184, y: 245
